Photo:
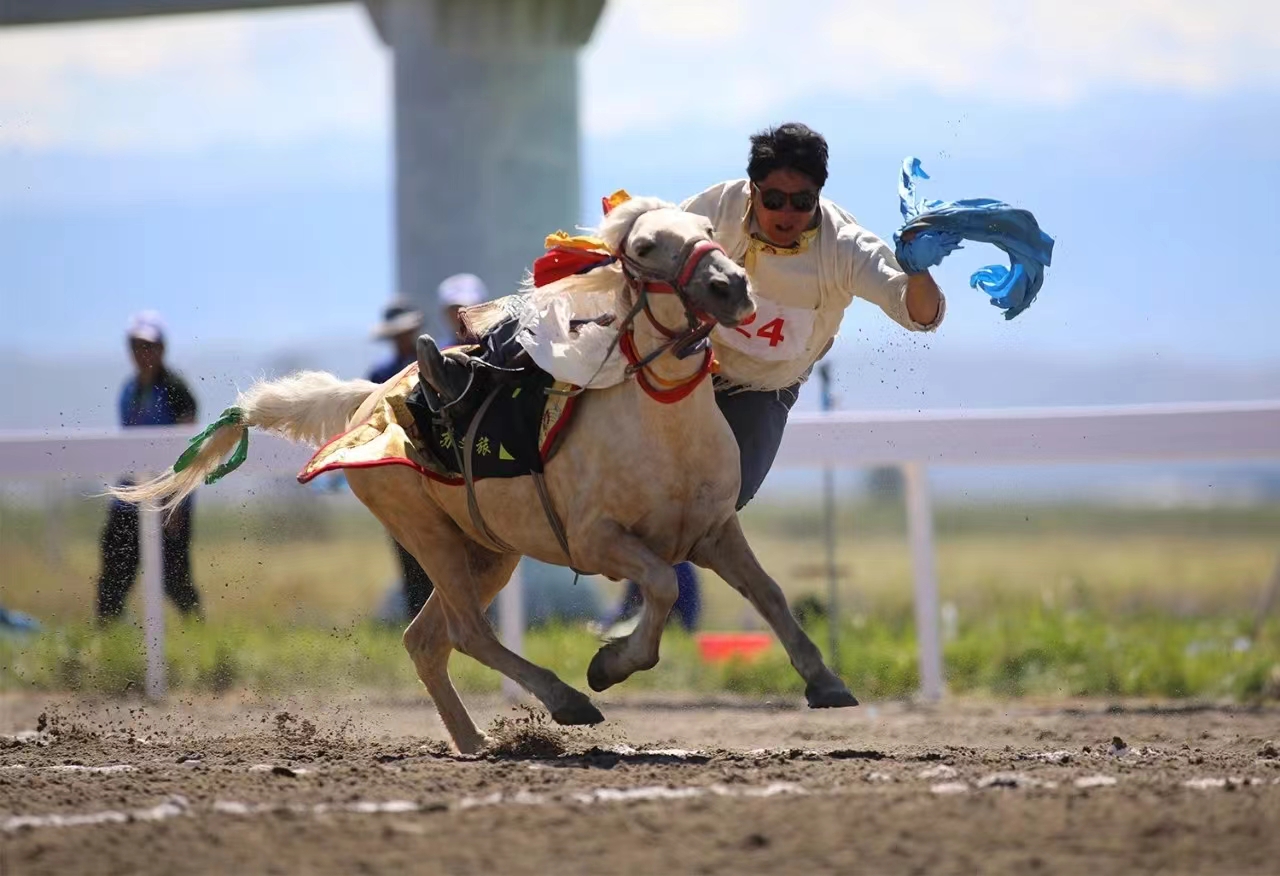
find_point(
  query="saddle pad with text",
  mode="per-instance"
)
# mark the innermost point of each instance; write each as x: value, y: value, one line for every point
x: 519, y: 434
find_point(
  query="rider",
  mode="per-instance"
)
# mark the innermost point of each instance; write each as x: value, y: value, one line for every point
x: 807, y: 259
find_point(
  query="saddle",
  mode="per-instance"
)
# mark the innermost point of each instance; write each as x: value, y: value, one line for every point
x: 455, y: 381
x: 450, y: 379
x: 484, y: 409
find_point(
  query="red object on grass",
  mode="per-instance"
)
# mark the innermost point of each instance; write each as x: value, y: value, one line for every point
x: 718, y: 647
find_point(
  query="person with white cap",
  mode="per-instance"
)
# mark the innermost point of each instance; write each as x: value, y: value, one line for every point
x: 455, y: 293
x: 153, y: 396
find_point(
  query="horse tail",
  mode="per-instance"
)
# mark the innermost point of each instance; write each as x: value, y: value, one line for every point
x: 308, y: 407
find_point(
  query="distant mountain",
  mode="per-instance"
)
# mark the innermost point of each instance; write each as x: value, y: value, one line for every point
x: 52, y: 392
x: 977, y: 380
x: 59, y: 391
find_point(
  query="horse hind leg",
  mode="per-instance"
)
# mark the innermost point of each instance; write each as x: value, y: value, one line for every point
x: 396, y: 498
x: 430, y: 639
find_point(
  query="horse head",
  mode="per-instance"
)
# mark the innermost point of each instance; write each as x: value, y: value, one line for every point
x: 665, y: 249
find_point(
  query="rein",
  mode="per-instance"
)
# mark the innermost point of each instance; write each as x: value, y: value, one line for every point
x: 683, y: 342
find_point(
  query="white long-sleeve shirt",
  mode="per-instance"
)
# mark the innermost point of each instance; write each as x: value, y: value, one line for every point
x: 801, y: 291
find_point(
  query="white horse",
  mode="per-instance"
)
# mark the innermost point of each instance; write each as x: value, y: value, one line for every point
x: 646, y: 476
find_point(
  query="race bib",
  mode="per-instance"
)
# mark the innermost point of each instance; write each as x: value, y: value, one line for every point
x: 774, y: 332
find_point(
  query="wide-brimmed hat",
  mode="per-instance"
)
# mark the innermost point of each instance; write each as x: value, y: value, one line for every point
x: 398, y: 318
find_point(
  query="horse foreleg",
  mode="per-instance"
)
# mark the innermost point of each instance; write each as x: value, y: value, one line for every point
x: 466, y: 578
x: 427, y: 641
x: 462, y: 611
x: 622, y: 555
x: 726, y: 552
x: 472, y: 635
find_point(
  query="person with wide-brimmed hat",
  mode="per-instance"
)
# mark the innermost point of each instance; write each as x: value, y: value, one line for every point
x: 401, y: 323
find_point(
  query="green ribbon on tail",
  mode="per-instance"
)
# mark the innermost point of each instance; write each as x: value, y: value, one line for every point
x: 230, y: 417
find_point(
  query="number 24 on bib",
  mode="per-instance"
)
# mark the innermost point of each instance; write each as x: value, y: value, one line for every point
x: 773, y: 332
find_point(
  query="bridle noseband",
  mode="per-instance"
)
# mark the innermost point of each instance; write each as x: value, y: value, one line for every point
x: 643, y: 281
x: 682, y: 342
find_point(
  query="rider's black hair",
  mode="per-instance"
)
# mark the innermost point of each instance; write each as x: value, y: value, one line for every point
x: 791, y: 146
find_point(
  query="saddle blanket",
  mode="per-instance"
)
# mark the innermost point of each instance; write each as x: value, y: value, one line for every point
x: 518, y: 436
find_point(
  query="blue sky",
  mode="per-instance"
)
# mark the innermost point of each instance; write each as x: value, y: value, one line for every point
x: 233, y: 170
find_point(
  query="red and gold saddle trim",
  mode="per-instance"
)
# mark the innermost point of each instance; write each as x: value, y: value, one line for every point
x: 389, y: 436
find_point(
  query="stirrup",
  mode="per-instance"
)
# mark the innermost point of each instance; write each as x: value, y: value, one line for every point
x: 449, y: 376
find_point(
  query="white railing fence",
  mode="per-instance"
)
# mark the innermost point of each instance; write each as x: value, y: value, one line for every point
x: 846, y: 439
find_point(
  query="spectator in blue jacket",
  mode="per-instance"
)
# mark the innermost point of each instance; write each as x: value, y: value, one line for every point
x: 401, y: 323
x: 153, y: 396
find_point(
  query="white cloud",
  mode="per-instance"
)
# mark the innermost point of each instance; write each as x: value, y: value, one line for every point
x: 190, y: 81
x: 1031, y: 51
x: 254, y: 78
x: 1051, y: 50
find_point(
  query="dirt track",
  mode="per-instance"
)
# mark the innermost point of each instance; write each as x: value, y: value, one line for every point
x: 366, y: 786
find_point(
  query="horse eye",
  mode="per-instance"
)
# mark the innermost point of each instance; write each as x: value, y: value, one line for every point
x: 642, y: 246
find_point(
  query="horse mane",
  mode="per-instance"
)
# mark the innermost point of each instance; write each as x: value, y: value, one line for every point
x: 587, y: 291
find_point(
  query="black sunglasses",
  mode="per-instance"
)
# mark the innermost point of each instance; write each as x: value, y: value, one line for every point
x: 776, y: 199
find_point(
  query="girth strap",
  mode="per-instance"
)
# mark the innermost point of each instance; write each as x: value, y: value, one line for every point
x: 468, y: 474
x: 557, y: 527
x: 539, y: 481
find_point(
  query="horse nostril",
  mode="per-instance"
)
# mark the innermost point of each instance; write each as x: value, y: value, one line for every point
x: 720, y: 287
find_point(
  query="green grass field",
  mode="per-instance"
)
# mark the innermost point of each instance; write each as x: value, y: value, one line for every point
x: 1063, y: 600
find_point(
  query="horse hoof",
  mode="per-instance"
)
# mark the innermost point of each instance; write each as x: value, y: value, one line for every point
x: 600, y: 677
x: 597, y: 677
x: 579, y: 712
x: 472, y: 744
x: 829, y: 698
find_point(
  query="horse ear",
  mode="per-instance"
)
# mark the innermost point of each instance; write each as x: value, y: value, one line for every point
x: 617, y: 226
x: 619, y: 197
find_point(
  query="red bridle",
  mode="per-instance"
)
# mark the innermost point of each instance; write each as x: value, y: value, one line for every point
x: 681, y: 342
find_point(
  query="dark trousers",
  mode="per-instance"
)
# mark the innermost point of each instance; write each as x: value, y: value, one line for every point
x: 757, y: 420
x: 120, y: 555
x: 417, y: 586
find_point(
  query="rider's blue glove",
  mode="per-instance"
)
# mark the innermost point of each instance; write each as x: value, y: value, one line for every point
x: 925, y: 249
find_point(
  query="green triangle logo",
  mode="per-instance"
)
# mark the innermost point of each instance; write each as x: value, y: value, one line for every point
x: 503, y: 454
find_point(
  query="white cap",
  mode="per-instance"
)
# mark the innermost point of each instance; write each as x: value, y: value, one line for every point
x: 462, y: 290
x: 148, y: 326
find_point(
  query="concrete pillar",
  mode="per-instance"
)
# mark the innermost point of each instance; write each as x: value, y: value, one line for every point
x: 486, y: 135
